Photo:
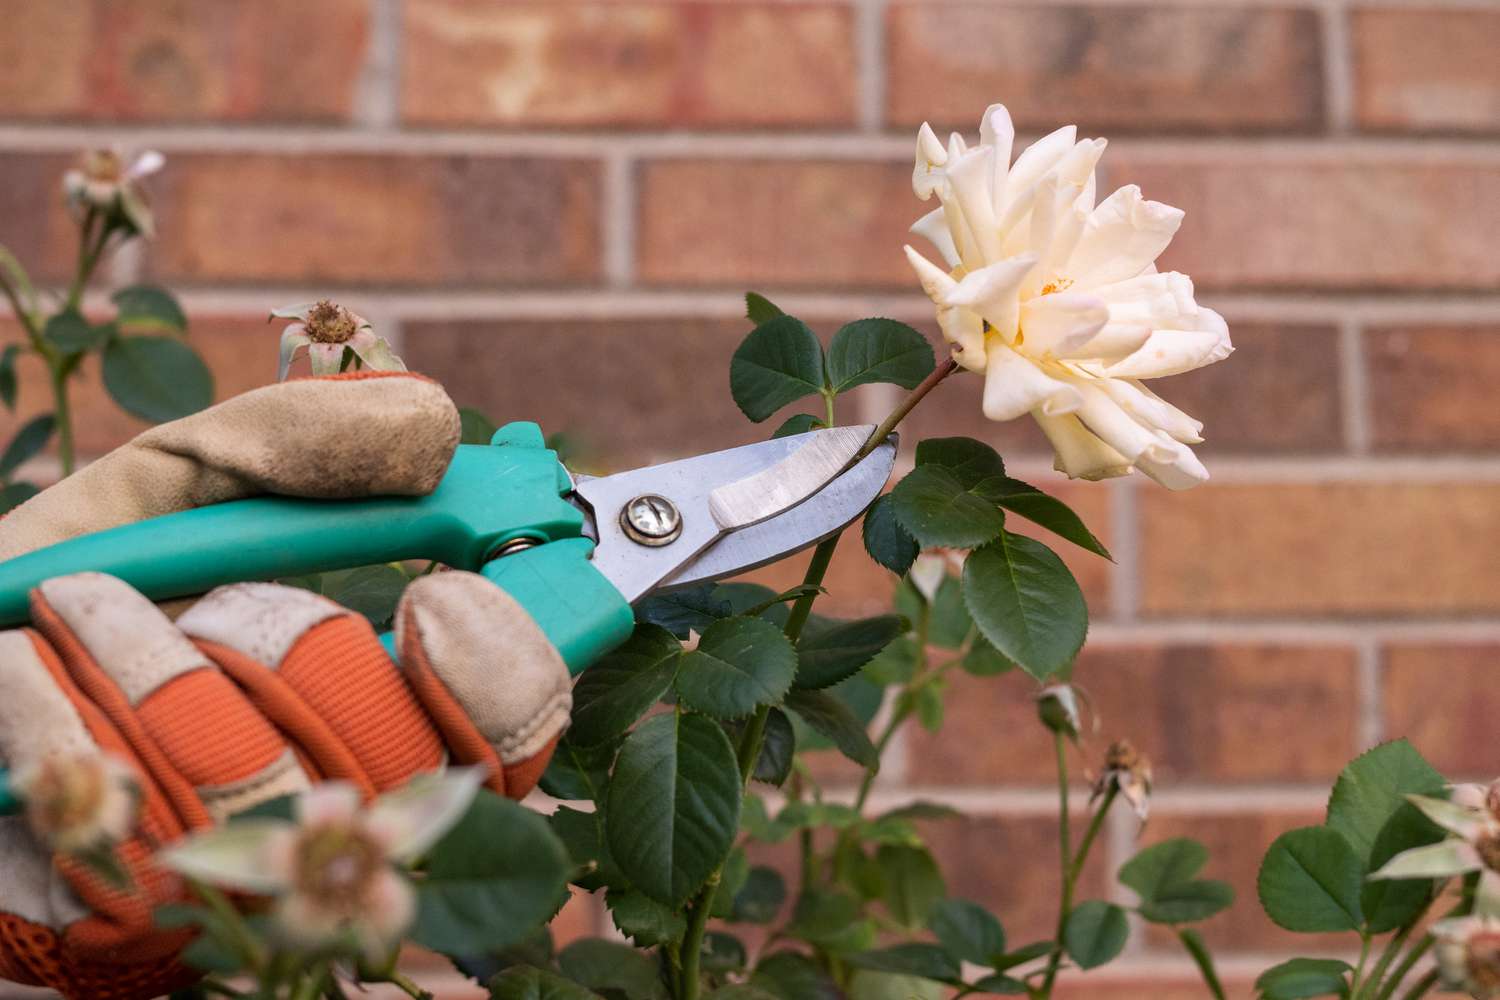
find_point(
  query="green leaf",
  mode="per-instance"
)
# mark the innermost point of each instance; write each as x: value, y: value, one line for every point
x: 949, y: 623
x: 999, y: 985
x: 27, y: 443
x: 691, y: 609
x: 839, y: 652
x: 1369, y: 807
x: 914, y: 884
x: 373, y: 591
x: 971, y: 462
x: 149, y: 306
x: 1310, y: 881
x: 617, y: 690
x: 835, y: 720
x: 1026, y: 603
x: 831, y: 920
x: 761, y: 897
x: 1204, y: 959
x: 923, y: 810
x: 722, y: 953
x: 936, y: 509
x: 582, y: 834
x: 984, y: 660
x: 739, y: 664
x: 790, y: 976
x: 674, y: 805
x: 492, y: 879
x: 1304, y: 977
x: 8, y: 376
x: 777, y: 750
x: 1189, y: 902
x: 872, y: 984
x: 524, y: 982
x: 926, y: 961
x: 1045, y: 510
x: 643, y: 919
x: 1095, y: 933
x: 609, y: 965
x: 969, y: 931
x: 878, y: 350
x: 577, y: 772
x: 1163, y: 865
x: 70, y: 333
x: 15, y: 494
x: 895, y: 664
x: 474, y: 426
x: 889, y: 544
x: 779, y: 363
x: 759, y: 309
x: 156, y: 378
x: 797, y: 423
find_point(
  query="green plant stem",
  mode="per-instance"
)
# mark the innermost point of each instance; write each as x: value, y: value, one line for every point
x: 407, y: 985
x: 828, y: 409
x: 90, y: 249
x: 62, y: 412
x: 1388, y: 954
x: 1356, y: 984
x: 1065, y: 870
x: 25, y: 318
x: 692, y: 942
x: 243, y: 941
x: 887, y: 425
x: 1413, y: 956
x: 1421, y: 986
x: 1091, y: 834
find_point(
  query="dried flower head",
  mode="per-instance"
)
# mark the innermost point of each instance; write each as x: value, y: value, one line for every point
x: 1127, y: 771
x: 80, y: 803
x: 328, y: 330
x: 1057, y: 705
x: 104, y: 182
x: 334, y: 870
x: 1473, y: 844
x: 1468, y: 954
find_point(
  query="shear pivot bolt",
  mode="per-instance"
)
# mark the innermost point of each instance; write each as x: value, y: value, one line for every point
x: 651, y: 520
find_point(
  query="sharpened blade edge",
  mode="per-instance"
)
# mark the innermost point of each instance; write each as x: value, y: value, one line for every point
x: 788, y: 482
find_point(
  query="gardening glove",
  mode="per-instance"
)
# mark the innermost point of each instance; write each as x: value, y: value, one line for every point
x: 255, y: 692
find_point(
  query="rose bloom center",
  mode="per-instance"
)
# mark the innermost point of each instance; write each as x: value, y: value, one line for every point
x: 1488, y: 847
x: 1484, y: 961
x: 330, y: 324
x: 335, y: 866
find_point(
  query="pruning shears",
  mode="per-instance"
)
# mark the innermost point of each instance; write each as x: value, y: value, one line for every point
x: 576, y: 552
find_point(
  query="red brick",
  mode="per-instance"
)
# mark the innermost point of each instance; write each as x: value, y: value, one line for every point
x: 365, y: 219
x: 628, y: 64
x: 240, y: 351
x: 1299, y: 549
x: 1220, y: 714
x: 34, y: 225
x: 1324, y: 220
x: 1236, y: 844
x: 749, y: 223
x: 1009, y: 864
x: 1432, y: 387
x: 1426, y: 70
x: 181, y: 60
x: 1106, y: 67
x: 1442, y: 697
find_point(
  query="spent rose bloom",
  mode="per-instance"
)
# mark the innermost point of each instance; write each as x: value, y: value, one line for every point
x: 1128, y: 771
x: 334, y: 870
x: 1057, y: 300
x: 80, y: 804
x: 1468, y: 954
x: 1471, y: 815
x: 104, y: 182
x: 326, y: 329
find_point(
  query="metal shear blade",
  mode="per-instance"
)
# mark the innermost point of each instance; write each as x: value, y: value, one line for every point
x: 716, y: 515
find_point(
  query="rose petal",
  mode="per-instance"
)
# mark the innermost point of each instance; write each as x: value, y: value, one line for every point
x: 329, y: 801
x: 1441, y: 860
x: 997, y: 130
x: 1014, y: 385
x: 933, y: 227
x: 1161, y: 300
x: 927, y: 176
x: 414, y: 817
x: 1181, y: 471
x: 146, y: 164
x: 972, y: 178
x: 1453, y: 817
x: 375, y: 352
x: 326, y: 359
x: 994, y: 293
x: 1122, y: 237
x: 1059, y: 325
x: 292, y: 338
x: 1120, y: 430
x: 390, y: 906
x: 1079, y: 453
x: 1150, y: 409
x: 232, y: 855
x: 1172, y: 352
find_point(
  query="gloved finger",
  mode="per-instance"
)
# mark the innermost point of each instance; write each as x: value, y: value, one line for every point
x: 205, y: 747
x: 495, y: 685
x: 352, y: 435
x: 318, y: 672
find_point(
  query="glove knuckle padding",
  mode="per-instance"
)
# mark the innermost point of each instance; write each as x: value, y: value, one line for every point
x: 378, y: 433
x: 488, y: 674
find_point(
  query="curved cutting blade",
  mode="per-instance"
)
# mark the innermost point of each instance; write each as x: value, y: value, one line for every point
x: 724, y: 494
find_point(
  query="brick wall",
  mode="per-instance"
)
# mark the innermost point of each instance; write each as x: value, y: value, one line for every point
x: 553, y: 207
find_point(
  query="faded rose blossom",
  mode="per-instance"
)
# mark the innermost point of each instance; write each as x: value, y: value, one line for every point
x: 1057, y: 706
x: 327, y: 329
x: 335, y: 870
x: 1468, y: 955
x: 1058, y: 302
x: 81, y: 804
x: 1128, y: 771
x: 105, y: 183
x: 1472, y: 818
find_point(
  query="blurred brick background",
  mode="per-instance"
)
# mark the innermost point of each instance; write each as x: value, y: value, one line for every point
x: 554, y: 206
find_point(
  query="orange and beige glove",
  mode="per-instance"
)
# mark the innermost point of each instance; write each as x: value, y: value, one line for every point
x: 255, y: 691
